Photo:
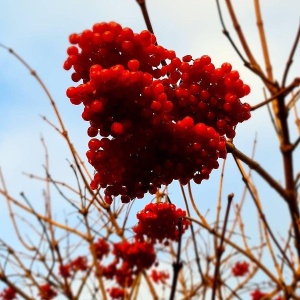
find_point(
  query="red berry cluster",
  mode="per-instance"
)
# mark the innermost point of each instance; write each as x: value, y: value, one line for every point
x: 160, y: 118
x: 118, y: 293
x: 46, y: 292
x: 159, y: 221
x: 159, y: 276
x: 101, y: 248
x: 259, y: 295
x: 240, y: 269
x: 8, y: 294
x: 131, y: 259
x: 77, y: 264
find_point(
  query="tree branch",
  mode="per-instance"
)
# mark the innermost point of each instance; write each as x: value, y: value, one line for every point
x: 258, y: 169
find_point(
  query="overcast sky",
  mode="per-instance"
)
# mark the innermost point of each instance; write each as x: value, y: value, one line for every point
x: 38, y: 31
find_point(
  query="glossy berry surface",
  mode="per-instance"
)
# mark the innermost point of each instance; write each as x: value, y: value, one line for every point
x: 160, y: 221
x: 153, y: 117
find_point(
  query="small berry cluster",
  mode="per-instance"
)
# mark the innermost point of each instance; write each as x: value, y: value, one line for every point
x: 77, y: 264
x: 101, y: 248
x: 257, y: 294
x: 159, y: 276
x: 118, y: 293
x: 46, y: 292
x: 240, y: 269
x: 160, y: 118
x: 130, y: 258
x: 160, y: 221
x: 8, y: 294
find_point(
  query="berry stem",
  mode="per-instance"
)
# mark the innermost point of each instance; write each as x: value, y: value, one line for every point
x: 263, y: 40
x: 142, y: 4
x: 251, y: 64
x: 290, y: 59
x: 63, y: 130
x: 256, y: 167
x: 220, y: 250
x: 282, y: 92
x: 192, y: 227
x: 178, y: 264
x: 241, y: 250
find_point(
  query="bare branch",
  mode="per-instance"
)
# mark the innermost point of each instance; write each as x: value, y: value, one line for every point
x: 257, y: 168
x: 290, y: 59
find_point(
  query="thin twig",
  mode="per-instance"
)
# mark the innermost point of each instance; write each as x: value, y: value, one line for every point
x: 220, y: 248
x: 241, y: 250
x: 282, y: 92
x: 254, y: 196
x: 53, y: 104
x: 257, y: 168
x: 290, y: 59
x: 251, y: 64
x: 178, y: 264
x: 142, y: 4
x: 192, y: 227
x: 263, y: 40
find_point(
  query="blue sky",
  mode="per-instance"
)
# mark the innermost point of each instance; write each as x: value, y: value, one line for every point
x: 38, y: 31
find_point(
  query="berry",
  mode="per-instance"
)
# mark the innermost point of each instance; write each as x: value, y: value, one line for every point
x: 187, y: 58
x: 117, y: 128
x: 94, y: 144
x: 97, y: 106
x: 240, y: 269
x: 133, y: 65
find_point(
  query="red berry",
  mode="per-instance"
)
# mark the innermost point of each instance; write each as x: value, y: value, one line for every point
x: 97, y: 106
x: 72, y: 50
x: 127, y: 46
x: 133, y: 65
x: 92, y: 131
x: 94, y: 144
x: 74, y: 38
x: 187, y: 58
x: 117, y: 128
x: 108, y: 36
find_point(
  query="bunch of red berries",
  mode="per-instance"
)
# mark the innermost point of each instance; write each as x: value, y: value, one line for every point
x: 78, y: 264
x: 160, y: 118
x: 130, y: 258
x: 118, y: 293
x: 159, y: 276
x: 240, y: 269
x: 160, y: 221
x: 46, y: 292
x: 257, y: 294
x: 135, y: 256
x: 8, y: 294
x: 101, y: 248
